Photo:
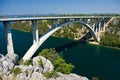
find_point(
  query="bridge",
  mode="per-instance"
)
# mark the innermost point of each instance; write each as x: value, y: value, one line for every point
x: 95, y: 25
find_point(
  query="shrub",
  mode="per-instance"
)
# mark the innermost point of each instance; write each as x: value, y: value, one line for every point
x: 50, y: 54
x: 27, y: 62
x: 51, y: 74
x: 40, y: 62
x: 16, y: 71
x: 58, y: 62
x: 65, y: 68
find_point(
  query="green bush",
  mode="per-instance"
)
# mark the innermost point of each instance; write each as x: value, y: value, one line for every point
x: 50, y: 54
x: 58, y: 62
x: 40, y: 62
x: 27, y: 62
x: 65, y: 68
x: 111, y: 40
x: 51, y: 74
x: 16, y: 71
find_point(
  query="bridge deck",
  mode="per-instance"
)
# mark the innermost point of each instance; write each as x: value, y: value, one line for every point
x: 50, y: 18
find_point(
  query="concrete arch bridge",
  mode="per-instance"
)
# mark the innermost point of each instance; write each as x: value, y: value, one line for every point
x: 95, y: 25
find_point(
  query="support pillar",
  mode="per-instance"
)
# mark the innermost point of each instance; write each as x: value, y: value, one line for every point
x: 103, y: 26
x: 86, y: 21
x: 99, y: 27
x: 96, y: 28
x: 8, y: 36
x: 35, y: 31
x: 54, y: 23
x: 93, y: 26
x: 80, y: 19
x: 91, y: 23
x: 98, y: 34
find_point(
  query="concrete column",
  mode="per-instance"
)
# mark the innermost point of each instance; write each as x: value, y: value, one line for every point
x: 54, y: 22
x: 98, y: 34
x: 35, y: 31
x: 86, y: 21
x: 93, y: 27
x: 99, y: 26
x: 80, y: 19
x: 57, y: 21
x: 91, y: 23
x: 103, y: 26
x: 67, y: 19
x: 8, y: 36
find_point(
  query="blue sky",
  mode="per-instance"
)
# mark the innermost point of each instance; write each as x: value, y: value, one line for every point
x: 14, y: 7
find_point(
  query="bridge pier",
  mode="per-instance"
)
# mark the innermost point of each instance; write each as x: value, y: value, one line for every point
x: 31, y: 50
x: 103, y: 26
x: 35, y: 31
x: 8, y: 36
x: 98, y: 34
x: 54, y: 22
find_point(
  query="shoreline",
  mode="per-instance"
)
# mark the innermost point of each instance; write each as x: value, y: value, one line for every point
x: 96, y: 43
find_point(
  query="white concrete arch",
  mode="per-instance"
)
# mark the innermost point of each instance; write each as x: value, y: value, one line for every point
x: 35, y: 46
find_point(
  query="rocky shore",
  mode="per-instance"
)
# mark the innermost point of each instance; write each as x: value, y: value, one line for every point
x: 35, y: 71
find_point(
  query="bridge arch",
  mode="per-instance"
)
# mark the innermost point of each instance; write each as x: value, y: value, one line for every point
x: 46, y: 35
x: 108, y: 22
x: 61, y: 25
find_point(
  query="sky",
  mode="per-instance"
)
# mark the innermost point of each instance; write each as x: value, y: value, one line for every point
x: 21, y: 7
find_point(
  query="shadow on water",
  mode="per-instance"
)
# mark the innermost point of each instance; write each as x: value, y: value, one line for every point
x: 69, y: 45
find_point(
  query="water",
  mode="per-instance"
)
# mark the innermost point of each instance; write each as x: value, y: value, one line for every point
x: 89, y: 60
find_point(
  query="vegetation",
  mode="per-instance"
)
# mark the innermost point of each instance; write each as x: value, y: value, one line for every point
x: 40, y: 62
x: 112, y: 35
x: 110, y: 40
x: 52, y: 74
x: 16, y: 71
x: 27, y: 62
x: 27, y: 26
x: 58, y: 62
x: 22, y: 26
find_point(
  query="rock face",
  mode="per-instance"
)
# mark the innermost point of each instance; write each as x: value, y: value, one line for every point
x: 35, y: 71
x: 7, y: 63
x: 47, y: 65
x: 70, y: 77
x: 37, y: 76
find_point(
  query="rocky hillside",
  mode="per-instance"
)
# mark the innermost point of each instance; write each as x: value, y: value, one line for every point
x: 114, y: 27
x: 38, y: 68
x: 112, y: 35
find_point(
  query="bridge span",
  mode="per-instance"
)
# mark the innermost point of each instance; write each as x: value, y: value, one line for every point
x: 95, y: 25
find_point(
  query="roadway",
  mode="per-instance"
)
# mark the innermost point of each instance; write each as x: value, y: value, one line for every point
x: 51, y: 18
